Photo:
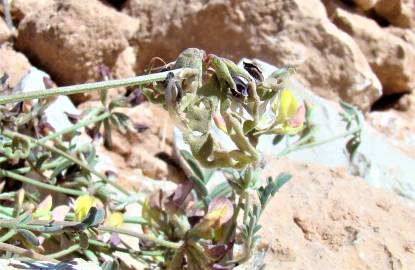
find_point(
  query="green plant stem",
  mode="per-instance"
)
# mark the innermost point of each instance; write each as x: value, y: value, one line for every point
x: 88, y: 87
x: 80, y: 124
x: 125, y: 250
x: 296, y: 147
x: 155, y: 240
x: 38, y: 225
x: 60, y: 152
x: 7, y: 236
x: 64, y: 252
x: 27, y: 180
x: 26, y: 253
x: 229, y: 231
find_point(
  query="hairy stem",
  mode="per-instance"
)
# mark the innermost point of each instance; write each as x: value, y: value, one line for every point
x: 80, y: 124
x: 62, y: 153
x: 27, y: 180
x: 26, y: 253
x: 64, y: 252
x: 145, y: 237
x: 296, y: 147
x: 88, y: 87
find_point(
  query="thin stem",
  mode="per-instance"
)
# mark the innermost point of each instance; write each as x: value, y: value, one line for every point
x: 80, y: 124
x: 88, y: 87
x: 125, y: 250
x: 26, y: 253
x: 288, y: 150
x: 155, y: 240
x: 7, y: 236
x: 64, y: 252
x: 81, y: 164
x: 27, y: 180
x: 230, y: 230
x: 38, y: 225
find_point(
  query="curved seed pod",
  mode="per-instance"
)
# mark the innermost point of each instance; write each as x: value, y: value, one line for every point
x: 222, y: 72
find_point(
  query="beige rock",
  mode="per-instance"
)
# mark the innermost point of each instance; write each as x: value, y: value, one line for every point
x: 70, y: 39
x: 390, y: 57
x: 13, y: 63
x: 148, y: 151
x: 281, y: 32
x: 366, y: 4
x: 407, y: 35
x: 5, y: 33
x: 398, y: 12
x: 326, y: 219
x: 21, y: 8
x: 126, y: 61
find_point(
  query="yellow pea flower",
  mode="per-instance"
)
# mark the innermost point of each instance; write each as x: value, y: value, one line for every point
x: 82, y: 205
x: 115, y: 219
x: 290, y: 115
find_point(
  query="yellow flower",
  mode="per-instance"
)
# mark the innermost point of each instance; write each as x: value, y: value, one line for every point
x: 82, y: 206
x: 220, y: 211
x: 290, y: 115
x: 115, y: 219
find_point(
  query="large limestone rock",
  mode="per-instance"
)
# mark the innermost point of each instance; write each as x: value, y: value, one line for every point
x: 326, y: 219
x: 13, y: 63
x: 398, y: 12
x: 21, y: 8
x: 281, y: 32
x: 70, y: 39
x: 390, y: 57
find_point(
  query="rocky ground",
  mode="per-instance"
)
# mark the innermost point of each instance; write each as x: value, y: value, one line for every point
x: 360, y: 51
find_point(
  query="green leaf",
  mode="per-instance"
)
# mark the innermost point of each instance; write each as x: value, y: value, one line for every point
x: 29, y: 236
x: 352, y: 145
x: 199, y: 186
x: 193, y: 164
x: 248, y: 126
x: 94, y: 217
x: 265, y: 193
x: 24, y: 219
x: 118, y: 102
x: 281, y: 180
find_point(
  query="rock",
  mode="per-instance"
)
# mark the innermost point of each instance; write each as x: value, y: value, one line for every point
x: 5, y: 33
x: 326, y: 219
x: 70, y: 39
x: 379, y: 159
x: 124, y: 66
x: 397, y: 126
x: 13, y: 63
x: 281, y: 32
x: 390, y: 57
x: 398, y: 12
x: 408, y: 35
x: 366, y: 4
x: 21, y: 8
x: 144, y: 152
